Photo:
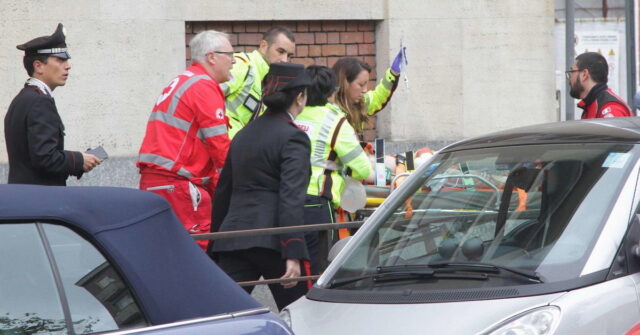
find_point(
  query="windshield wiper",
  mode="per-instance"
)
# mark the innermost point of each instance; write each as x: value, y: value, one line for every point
x: 406, y: 272
x: 436, y: 270
x: 386, y: 273
x: 486, y: 267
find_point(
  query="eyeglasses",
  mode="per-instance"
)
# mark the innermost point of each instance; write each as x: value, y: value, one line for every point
x: 228, y: 53
x: 569, y: 72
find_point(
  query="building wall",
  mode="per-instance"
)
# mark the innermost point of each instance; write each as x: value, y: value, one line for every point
x: 474, y: 65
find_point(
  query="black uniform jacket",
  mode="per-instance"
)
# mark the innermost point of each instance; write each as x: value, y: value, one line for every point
x: 34, y: 134
x: 263, y: 185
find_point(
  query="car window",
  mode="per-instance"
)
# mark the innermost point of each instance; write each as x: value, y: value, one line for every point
x: 533, y: 209
x: 98, y: 298
x: 29, y: 303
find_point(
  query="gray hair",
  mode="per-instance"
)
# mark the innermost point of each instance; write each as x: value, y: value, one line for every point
x: 206, y: 41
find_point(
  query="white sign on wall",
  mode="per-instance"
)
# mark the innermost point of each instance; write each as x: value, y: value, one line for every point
x: 606, y: 43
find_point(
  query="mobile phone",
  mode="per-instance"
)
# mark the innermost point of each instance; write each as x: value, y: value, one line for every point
x: 98, y: 152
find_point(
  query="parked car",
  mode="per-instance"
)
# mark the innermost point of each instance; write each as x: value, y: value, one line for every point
x: 81, y: 260
x: 528, y: 231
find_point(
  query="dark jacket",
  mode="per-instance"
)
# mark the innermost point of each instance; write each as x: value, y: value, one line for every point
x: 602, y: 102
x: 34, y: 135
x: 263, y: 185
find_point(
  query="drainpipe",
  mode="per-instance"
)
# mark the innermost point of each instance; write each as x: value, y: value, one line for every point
x: 569, y: 46
x: 630, y: 33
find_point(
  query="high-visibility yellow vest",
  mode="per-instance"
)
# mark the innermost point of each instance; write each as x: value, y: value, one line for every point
x: 376, y: 99
x: 324, y: 125
x: 243, y: 93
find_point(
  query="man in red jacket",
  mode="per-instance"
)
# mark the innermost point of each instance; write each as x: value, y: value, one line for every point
x: 186, y: 140
x: 588, y: 81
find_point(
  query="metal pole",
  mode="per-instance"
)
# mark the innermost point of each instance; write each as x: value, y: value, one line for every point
x: 277, y: 280
x: 630, y: 33
x: 569, y: 106
x: 277, y: 230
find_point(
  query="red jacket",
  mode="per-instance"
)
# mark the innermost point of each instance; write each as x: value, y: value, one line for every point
x: 602, y: 102
x: 187, y: 132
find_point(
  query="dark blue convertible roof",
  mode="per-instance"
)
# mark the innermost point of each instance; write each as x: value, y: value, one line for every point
x: 172, y: 277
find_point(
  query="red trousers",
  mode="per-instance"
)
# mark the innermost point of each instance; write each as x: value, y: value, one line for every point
x: 191, y: 203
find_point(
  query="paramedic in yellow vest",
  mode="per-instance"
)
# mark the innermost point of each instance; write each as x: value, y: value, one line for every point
x: 335, y: 152
x: 243, y: 93
x: 353, y: 95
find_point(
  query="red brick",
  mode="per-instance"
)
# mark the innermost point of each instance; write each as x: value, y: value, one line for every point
x: 315, y: 50
x: 199, y: 26
x: 305, y: 38
x: 303, y: 26
x: 352, y: 50
x: 188, y: 39
x: 352, y: 26
x: 351, y: 37
x: 321, y: 38
x: 371, y: 61
x: 371, y: 123
x: 333, y: 26
x: 265, y: 25
x: 331, y: 61
x: 322, y: 61
x: 315, y: 26
x: 220, y: 26
x: 333, y: 38
x: 333, y: 50
x: 233, y: 38
x: 366, y: 49
x: 239, y: 27
x: 369, y: 134
x: 252, y: 27
x: 302, y: 51
x: 369, y: 37
x: 287, y: 24
x: 304, y: 61
x: 365, y: 26
x: 249, y: 38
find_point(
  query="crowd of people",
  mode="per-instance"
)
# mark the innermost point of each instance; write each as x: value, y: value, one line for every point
x: 243, y: 141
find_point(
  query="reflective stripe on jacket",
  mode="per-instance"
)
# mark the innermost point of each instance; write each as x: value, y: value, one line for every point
x: 243, y: 93
x: 320, y: 123
x: 187, y: 131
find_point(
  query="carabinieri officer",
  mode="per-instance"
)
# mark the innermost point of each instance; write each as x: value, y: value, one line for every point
x: 33, y: 130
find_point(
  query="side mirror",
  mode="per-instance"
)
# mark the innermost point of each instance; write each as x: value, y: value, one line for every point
x: 337, y: 247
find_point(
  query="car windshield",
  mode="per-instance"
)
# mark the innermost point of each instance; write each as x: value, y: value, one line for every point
x: 491, y: 217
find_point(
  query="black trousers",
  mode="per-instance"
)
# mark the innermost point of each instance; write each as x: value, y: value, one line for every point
x: 316, y: 210
x: 250, y: 264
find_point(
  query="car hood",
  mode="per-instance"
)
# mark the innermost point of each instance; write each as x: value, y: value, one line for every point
x: 467, y: 317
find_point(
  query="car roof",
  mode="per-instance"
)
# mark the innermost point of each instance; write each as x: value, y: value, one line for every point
x: 607, y: 130
x: 171, y: 276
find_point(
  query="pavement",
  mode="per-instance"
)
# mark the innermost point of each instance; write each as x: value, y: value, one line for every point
x: 263, y: 295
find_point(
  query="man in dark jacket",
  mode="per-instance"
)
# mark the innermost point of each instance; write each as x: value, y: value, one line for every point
x: 33, y: 130
x: 588, y: 81
x: 263, y: 185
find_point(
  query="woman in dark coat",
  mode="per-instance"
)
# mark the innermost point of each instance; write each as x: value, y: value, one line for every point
x: 263, y: 185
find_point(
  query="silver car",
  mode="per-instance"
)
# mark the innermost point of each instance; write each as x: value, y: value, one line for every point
x: 529, y: 231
